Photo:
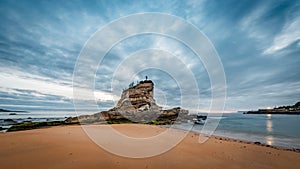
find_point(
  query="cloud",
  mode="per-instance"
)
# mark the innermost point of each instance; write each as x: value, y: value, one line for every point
x: 24, y: 81
x: 40, y: 42
x: 289, y: 34
x: 250, y: 23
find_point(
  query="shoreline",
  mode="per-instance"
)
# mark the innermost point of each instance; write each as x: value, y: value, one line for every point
x: 243, y: 141
x: 256, y: 143
x: 164, y: 127
x: 70, y: 147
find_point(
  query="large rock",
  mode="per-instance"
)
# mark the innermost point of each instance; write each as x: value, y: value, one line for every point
x: 137, y: 104
x: 139, y: 97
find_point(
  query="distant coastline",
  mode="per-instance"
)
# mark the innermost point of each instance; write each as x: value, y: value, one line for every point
x: 266, y: 111
x: 291, y: 110
x: 5, y: 110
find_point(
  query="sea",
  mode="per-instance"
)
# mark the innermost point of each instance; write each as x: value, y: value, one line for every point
x: 275, y: 130
x: 269, y: 129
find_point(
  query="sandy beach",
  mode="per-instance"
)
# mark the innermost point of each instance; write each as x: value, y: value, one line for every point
x: 70, y: 147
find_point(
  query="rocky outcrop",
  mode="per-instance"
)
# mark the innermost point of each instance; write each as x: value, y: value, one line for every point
x: 136, y: 105
x: 139, y: 97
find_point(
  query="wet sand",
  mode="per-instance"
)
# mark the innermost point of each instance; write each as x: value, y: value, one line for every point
x: 69, y: 147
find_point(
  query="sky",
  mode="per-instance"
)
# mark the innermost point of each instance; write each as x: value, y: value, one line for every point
x: 258, y: 43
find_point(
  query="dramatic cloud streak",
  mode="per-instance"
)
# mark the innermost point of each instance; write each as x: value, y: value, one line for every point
x: 258, y: 43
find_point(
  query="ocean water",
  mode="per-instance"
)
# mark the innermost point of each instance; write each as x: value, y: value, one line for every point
x: 277, y: 130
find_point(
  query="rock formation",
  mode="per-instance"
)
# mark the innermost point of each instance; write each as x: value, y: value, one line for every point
x: 137, y: 105
x: 139, y: 97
